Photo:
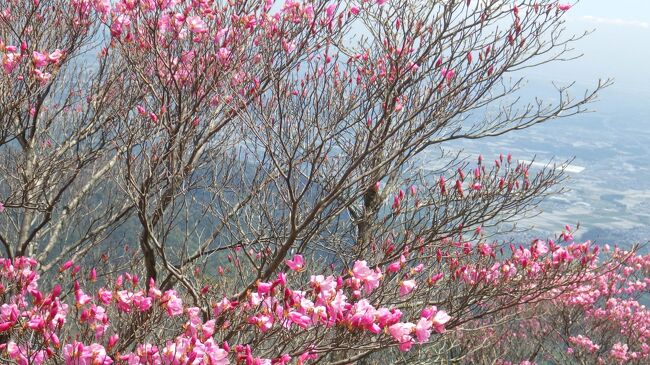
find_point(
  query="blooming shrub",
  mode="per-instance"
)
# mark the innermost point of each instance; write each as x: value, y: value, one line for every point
x: 600, y: 320
x: 41, y: 326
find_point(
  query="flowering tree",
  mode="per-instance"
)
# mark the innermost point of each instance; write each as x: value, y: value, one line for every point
x: 261, y: 157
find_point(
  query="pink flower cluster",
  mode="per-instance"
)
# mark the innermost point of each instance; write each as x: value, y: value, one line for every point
x: 12, y: 57
x: 45, y: 316
x: 584, y: 342
x: 612, y: 297
x: 607, y: 323
x: 327, y: 305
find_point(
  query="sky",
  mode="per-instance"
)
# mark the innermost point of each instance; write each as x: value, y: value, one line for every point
x: 618, y: 48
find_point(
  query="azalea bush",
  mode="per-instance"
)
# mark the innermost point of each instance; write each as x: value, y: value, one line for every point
x: 200, y: 181
x: 598, y: 320
x: 586, y: 312
x: 42, y: 326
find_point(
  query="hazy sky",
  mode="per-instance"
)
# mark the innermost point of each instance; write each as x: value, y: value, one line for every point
x: 629, y: 10
x: 618, y: 48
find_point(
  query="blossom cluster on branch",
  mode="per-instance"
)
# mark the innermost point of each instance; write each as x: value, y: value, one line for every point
x: 42, y: 326
x: 35, y: 321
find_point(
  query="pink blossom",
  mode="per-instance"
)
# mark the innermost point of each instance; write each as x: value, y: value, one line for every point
x: 263, y: 322
x: 282, y: 360
x: 17, y: 353
x: 439, y: 320
x: 55, y: 56
x: 306, y: 356
x: 141, y: 302
x: 448, y: 74
x: 388, y: 317
x: 398, y: 106
x: 584, y: 342
x: 36, y: 323
x: 141, y: 110
x: 401, y: 332
x: 118, y: 25
x: 435, y: 278
x: 222, y: 306
x: 423, y: 330
x: 339, y: 304
x: 417, y: 268
x: 406, y: 287
x: 330, y: 10
x: 397, y: 265
x: 369, y: 278
x: 40, y: 59
x: 123, y: 299
x: 296, y: 264
x: 619, y: 352
x: 540, y: 247
x: 78, y: 353
x: 113, y: 340
x: 66, y: 266
x: 394, y: 267
x: 308, y: 12
x: 105, y: 296
x: 299, y: 319
x: 196, y: 25
x: 42, y: 77
x: 223, y: 54
x: 220, y: 35
x: 288, y: 46
x: 10, y: 61
x: 81, y: 297
x: 172, y: 303
x: 281, y: 280
x: 264, y: 288
x: 102, y: 6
